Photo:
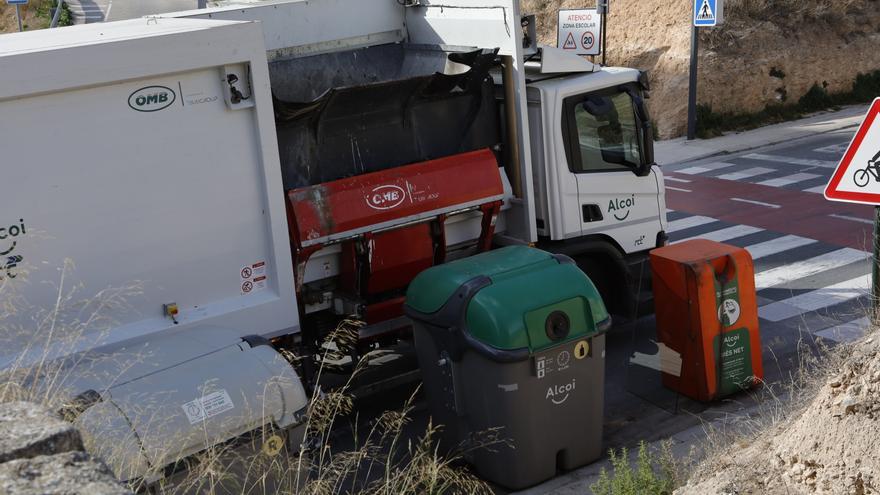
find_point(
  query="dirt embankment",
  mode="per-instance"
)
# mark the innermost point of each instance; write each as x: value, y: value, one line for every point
x: 29, y: 16
x: 831, y: 447
x: 767, y: 52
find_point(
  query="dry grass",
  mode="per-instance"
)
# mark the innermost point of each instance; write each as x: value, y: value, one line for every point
x: 773, y: 10
x: 744, y: 19
x: 777, y: 404
x: 385, y: 460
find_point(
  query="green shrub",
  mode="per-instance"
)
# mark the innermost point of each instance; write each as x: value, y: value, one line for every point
x: 651, y: 475
x: 866, y: 87
x: 709, y: 123
x: 815, y: 99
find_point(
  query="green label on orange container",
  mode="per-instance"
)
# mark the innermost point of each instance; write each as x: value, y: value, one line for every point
x: 733, y: 358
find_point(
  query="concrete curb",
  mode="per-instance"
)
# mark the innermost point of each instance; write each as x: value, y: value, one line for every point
x: 677, y: 151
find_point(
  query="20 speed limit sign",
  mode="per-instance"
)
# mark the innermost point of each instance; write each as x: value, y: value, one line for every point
x: 588, y: 39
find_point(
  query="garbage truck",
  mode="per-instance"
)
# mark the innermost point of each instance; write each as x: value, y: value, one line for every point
x: 193, y: 202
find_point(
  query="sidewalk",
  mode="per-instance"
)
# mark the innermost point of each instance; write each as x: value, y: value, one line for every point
x: 578, y: 482
x: 679, y: 150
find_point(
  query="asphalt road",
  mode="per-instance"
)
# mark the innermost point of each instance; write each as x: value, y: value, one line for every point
x: 812, y: 265
x: 88, y: 11
x: 812, y: 262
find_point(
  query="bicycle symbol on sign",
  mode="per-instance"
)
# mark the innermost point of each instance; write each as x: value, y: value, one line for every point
x: 863, y: 176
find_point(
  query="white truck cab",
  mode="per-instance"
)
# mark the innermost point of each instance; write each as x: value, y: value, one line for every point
x: 599, y: 196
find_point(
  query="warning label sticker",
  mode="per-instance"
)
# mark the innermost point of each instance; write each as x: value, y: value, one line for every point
x: 253, y: 277
x: 208, y: 406
x: 733, y: 358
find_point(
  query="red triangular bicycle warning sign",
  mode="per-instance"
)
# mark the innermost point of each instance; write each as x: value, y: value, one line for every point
x: 570, y: 44
x: 857, y: 177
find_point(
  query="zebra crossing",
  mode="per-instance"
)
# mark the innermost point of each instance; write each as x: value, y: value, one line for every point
x: 89, y: 11
x: 803, y: 174
x: 772, y: 169
x: 796, y: 278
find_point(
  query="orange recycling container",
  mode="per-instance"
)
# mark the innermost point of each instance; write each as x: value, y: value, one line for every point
x: 707, y: 318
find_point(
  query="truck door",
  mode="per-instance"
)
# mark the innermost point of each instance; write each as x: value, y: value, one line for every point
x: 609, y: 153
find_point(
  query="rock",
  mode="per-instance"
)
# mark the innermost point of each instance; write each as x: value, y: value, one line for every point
x: 849, y: 404
x: 70, y: 473
x: 29, y: 430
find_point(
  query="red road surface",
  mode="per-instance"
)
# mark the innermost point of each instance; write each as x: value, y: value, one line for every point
x: 800, y: 213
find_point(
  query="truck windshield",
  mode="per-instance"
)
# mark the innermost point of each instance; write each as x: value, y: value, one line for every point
x: 608, y: 133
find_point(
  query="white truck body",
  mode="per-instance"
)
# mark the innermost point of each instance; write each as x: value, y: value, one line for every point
x: 144, y: 186
x: 181, y: 201
x: 172, y: 198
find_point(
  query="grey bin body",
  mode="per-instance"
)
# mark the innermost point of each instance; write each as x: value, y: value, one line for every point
x: 511, y: 346
x: 477, y: 394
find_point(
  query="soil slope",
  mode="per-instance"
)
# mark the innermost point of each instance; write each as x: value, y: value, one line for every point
x: 29, y: 18
x: 801, y: 42
x: 832, y: 447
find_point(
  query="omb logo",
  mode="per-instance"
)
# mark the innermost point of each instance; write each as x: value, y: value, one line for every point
x: 385, y: 197
x: 151, y: 99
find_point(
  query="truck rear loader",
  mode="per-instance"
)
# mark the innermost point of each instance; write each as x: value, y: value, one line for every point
x: 194, y: 202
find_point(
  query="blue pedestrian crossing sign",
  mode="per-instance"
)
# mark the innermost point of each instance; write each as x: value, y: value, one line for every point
x: 708, y: 12
x: 16, y: 2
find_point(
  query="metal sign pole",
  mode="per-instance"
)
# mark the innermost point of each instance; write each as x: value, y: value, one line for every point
x: 604, y: 36
x: 602, y: 10
x: 18, y: 16
x: 875, y: 270
x: 692, y: 86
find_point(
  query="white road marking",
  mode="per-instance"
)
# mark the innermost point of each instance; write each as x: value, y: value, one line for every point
x: 846, y: 332
x: 852, y: 219
x: 777, y: 245
x: 805, y: 268
x: 688, y: 222
x: 753, y: 202
x: 837, y: 149
x: 666, y: 360
x: 709, y: 167
x: 678, y: 189
x: 791, y: 160
x: 745, y: 174
x: 817, y: 189
x: 816, y: 299
x: 727, y: 234
x: 788, y: 180
x: 676, y: 179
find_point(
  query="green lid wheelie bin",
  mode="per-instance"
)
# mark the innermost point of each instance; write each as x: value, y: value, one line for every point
x: 513, y: 340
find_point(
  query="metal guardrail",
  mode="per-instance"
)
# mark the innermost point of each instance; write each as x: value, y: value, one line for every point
x: 57, y: 14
